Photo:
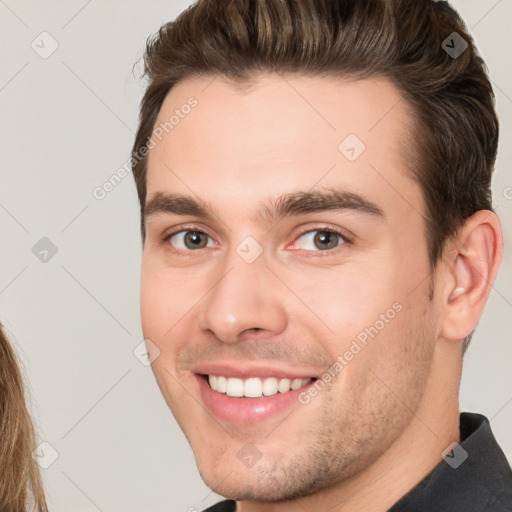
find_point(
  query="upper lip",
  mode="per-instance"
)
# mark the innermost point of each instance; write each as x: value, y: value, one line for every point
x: 245, y: 370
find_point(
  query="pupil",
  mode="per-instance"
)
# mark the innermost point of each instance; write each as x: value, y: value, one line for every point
x: 193, y: 240
x: 326, y: 240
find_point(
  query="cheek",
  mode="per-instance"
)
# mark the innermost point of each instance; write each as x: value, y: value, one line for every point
x: 339, y: 303
x: 153, y: 302
x: 362, y: 314
x: 165, y: 298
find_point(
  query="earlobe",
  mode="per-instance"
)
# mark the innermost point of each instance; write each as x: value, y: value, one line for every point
x: 471, y: 273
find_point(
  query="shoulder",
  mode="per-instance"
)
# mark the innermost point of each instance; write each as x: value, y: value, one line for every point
x: 475, y: 477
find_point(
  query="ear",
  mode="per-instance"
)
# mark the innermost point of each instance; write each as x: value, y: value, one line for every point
x: 473, y: 260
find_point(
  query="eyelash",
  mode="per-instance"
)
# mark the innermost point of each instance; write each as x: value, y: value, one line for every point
x: 322, y: 229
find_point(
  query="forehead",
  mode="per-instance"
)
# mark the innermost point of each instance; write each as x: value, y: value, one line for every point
x: 281, y: 133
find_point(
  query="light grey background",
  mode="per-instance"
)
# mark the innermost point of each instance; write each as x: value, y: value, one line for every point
x: 67, y: 125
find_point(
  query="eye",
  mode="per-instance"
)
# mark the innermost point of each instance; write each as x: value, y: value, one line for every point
x: 190, y: 240
x: 320, y: 240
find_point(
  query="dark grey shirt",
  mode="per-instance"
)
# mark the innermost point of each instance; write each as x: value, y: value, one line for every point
x: 474, y: 477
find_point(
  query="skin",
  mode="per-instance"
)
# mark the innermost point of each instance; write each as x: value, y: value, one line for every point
x: 370, y: 435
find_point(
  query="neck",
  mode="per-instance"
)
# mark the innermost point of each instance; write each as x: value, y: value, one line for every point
x: 414, y: 454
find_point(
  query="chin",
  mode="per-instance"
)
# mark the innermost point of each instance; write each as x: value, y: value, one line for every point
x: 274, y: 481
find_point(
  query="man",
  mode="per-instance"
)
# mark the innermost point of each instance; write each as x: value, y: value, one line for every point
x: 319, y: 244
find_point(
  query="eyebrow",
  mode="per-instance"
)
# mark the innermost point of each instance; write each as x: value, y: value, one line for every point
x: 293, y: 203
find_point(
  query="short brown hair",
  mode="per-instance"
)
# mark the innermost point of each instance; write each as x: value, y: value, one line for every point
x: 407, y: 41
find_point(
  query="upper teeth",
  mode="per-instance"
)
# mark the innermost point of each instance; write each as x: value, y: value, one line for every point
x: 254, y: 387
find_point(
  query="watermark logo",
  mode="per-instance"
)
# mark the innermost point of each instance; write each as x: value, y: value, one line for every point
x: 454, y: 45
x: 44, y: 45
x: 44, y: 250
x: 249, y: 249
x: 249, y: 455
x: 146, y: 352
x: 45, y: 455
x: 101, y: 191
x: 454, y: 455
x: 352, y: 147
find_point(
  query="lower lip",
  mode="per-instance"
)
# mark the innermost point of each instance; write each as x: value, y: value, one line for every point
x: 246, y: 411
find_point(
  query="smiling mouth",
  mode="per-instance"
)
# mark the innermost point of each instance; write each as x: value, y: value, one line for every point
x: 254, y: 387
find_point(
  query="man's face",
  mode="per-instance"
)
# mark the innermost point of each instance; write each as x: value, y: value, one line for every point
x: 305, y: 258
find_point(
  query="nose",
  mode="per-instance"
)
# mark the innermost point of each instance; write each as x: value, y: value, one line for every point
x: 244, y: 298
